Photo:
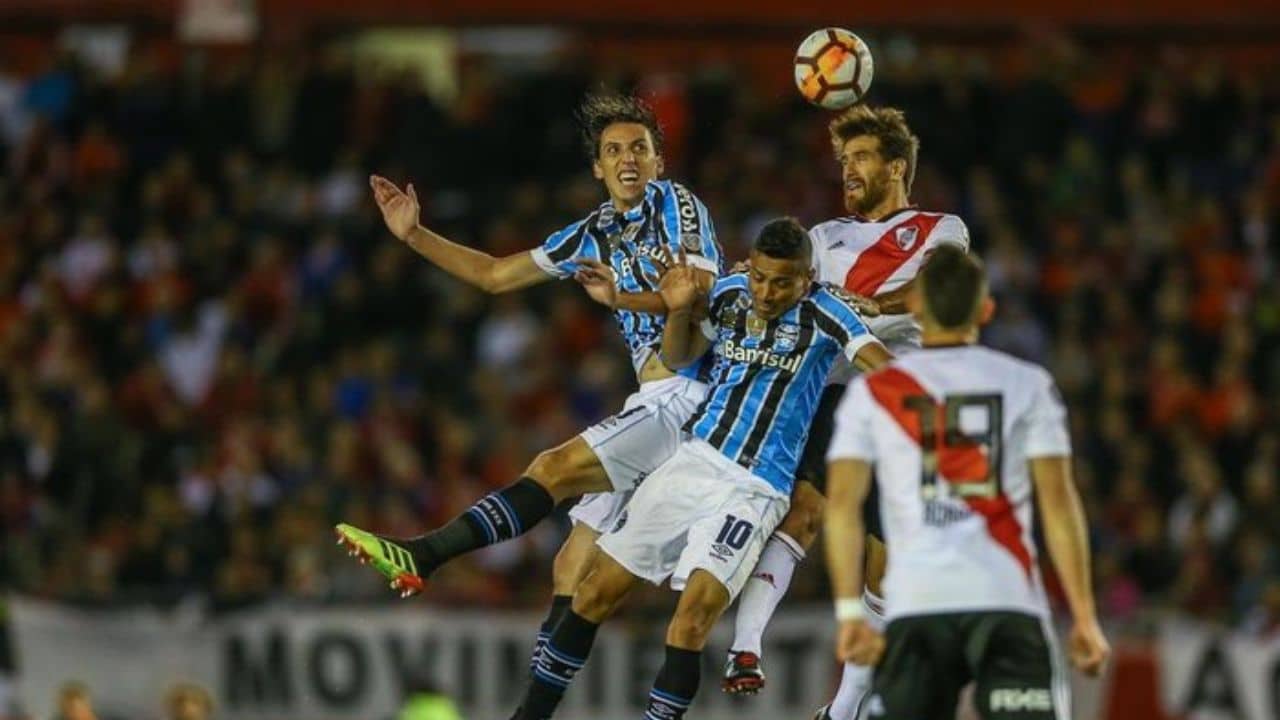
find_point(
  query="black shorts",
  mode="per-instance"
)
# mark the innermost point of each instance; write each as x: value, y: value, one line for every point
x: 813, y: 461
x: 1009, y: 656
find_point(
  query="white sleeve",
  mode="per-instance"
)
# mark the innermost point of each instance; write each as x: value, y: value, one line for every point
x: 1047, y: 434
x: 815, y: 256
x: 950, y: 229
x: 851, y: 438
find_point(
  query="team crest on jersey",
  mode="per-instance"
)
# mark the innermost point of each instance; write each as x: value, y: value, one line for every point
x: 785, y: 338
x: 756, y: 325
x: 728, y: 315
x: 906, y: 237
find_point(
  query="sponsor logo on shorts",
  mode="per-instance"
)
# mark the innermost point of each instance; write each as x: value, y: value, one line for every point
x: 721, y: 552
x: 1021, y: 699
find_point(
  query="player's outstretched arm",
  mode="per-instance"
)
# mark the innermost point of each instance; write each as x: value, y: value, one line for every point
x: 400, y: 211
x: 894, y: 302
x: 1067, y: 536
x: 600, y: 282
x: 872, y: 356
x: 848, y: 482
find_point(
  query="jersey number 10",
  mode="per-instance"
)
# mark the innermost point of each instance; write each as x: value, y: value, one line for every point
x: 941, y: 432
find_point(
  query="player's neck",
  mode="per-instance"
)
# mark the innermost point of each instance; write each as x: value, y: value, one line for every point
x: 939, y: 337
x: 895, y: 201
x: 622, y: 205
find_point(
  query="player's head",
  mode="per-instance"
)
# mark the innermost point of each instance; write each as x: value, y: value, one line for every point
x: 877, y: 154
x: 779, y: 269
x: 624, y: 141
x: 951, y: 293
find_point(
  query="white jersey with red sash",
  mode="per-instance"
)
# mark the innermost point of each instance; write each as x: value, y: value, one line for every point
x: 869, y: 257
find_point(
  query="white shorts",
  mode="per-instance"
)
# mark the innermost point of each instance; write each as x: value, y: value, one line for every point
x: 633, y: 443
x: 699, y: 511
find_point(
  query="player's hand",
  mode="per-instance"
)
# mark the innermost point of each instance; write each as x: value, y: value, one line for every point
x: 1088, y: 647
x: 858, y: 643
x: 866, y: 307
x: 399, y: 208
x: 679, y: 285
x: 598, y: 280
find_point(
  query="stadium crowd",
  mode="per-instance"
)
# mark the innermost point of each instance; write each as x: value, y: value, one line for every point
x: 211, y: 349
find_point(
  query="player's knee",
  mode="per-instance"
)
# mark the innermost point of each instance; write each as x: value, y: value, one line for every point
x: 596, y: 598
x: 699, y: 609
x: 571, y: 564
x: 553, y: 470
x: 568, y: 471
x: 804, y: 519
x: 692, y: 624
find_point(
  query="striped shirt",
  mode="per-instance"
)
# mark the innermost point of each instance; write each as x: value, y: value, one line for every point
x: 767, y: 376
x: 669, y: 217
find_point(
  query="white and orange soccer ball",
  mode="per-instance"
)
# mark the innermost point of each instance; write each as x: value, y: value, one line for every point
x: 833, y: 68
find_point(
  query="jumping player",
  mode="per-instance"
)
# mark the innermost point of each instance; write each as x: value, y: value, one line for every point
x: 875, y: 252
x: 703, y: 517
x: 644, y: 219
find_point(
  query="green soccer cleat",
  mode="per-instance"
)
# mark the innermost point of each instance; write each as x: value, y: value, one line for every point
x: 393, y: 561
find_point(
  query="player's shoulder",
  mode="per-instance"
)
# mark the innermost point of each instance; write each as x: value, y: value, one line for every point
x: 1016, y: 367
x: 830, y: 234
x: 733, y: 282
x: 831, y: 297
x: 668, y: 190
x: 947, y: 227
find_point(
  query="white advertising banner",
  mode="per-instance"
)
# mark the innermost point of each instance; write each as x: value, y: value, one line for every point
x: 1209, y: 674
x: 290, y: 663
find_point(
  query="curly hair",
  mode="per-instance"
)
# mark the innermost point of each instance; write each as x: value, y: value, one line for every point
x: 599, y: 111
x: 888, y: 125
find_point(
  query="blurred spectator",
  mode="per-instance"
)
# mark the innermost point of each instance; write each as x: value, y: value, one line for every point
x: 74, y: 703
x: 188, y: 702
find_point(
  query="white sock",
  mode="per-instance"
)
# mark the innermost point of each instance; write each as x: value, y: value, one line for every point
x: 855, y: 681
x: 769, y: 582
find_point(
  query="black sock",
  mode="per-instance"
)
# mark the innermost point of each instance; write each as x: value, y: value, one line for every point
x: 498, y: 516
x: 676, y: 685
x: 559, y: 605
x: 563, y: 656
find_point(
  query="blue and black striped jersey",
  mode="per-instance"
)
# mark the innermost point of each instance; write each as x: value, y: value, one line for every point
x: 669, y: 217
x: 767, y: 376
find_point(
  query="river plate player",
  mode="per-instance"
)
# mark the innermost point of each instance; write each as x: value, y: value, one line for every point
x: 962, y: 439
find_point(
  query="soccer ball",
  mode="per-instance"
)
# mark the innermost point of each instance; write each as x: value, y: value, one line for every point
x: 833, y: 68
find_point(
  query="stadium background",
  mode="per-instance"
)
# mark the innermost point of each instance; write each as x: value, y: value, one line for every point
x: 210, y: 349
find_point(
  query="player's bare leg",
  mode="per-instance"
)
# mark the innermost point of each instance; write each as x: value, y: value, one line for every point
x: 558, y: 474
x: 743, y: 672
x: 702, y: 602
x: 855, y: 680
x: 605, y: 586
x: 572, y: 563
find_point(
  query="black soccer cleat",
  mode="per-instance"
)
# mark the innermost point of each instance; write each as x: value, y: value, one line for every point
x: 742, y: 674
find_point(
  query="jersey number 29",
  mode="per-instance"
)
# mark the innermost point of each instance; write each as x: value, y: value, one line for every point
x: 941, y: 432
